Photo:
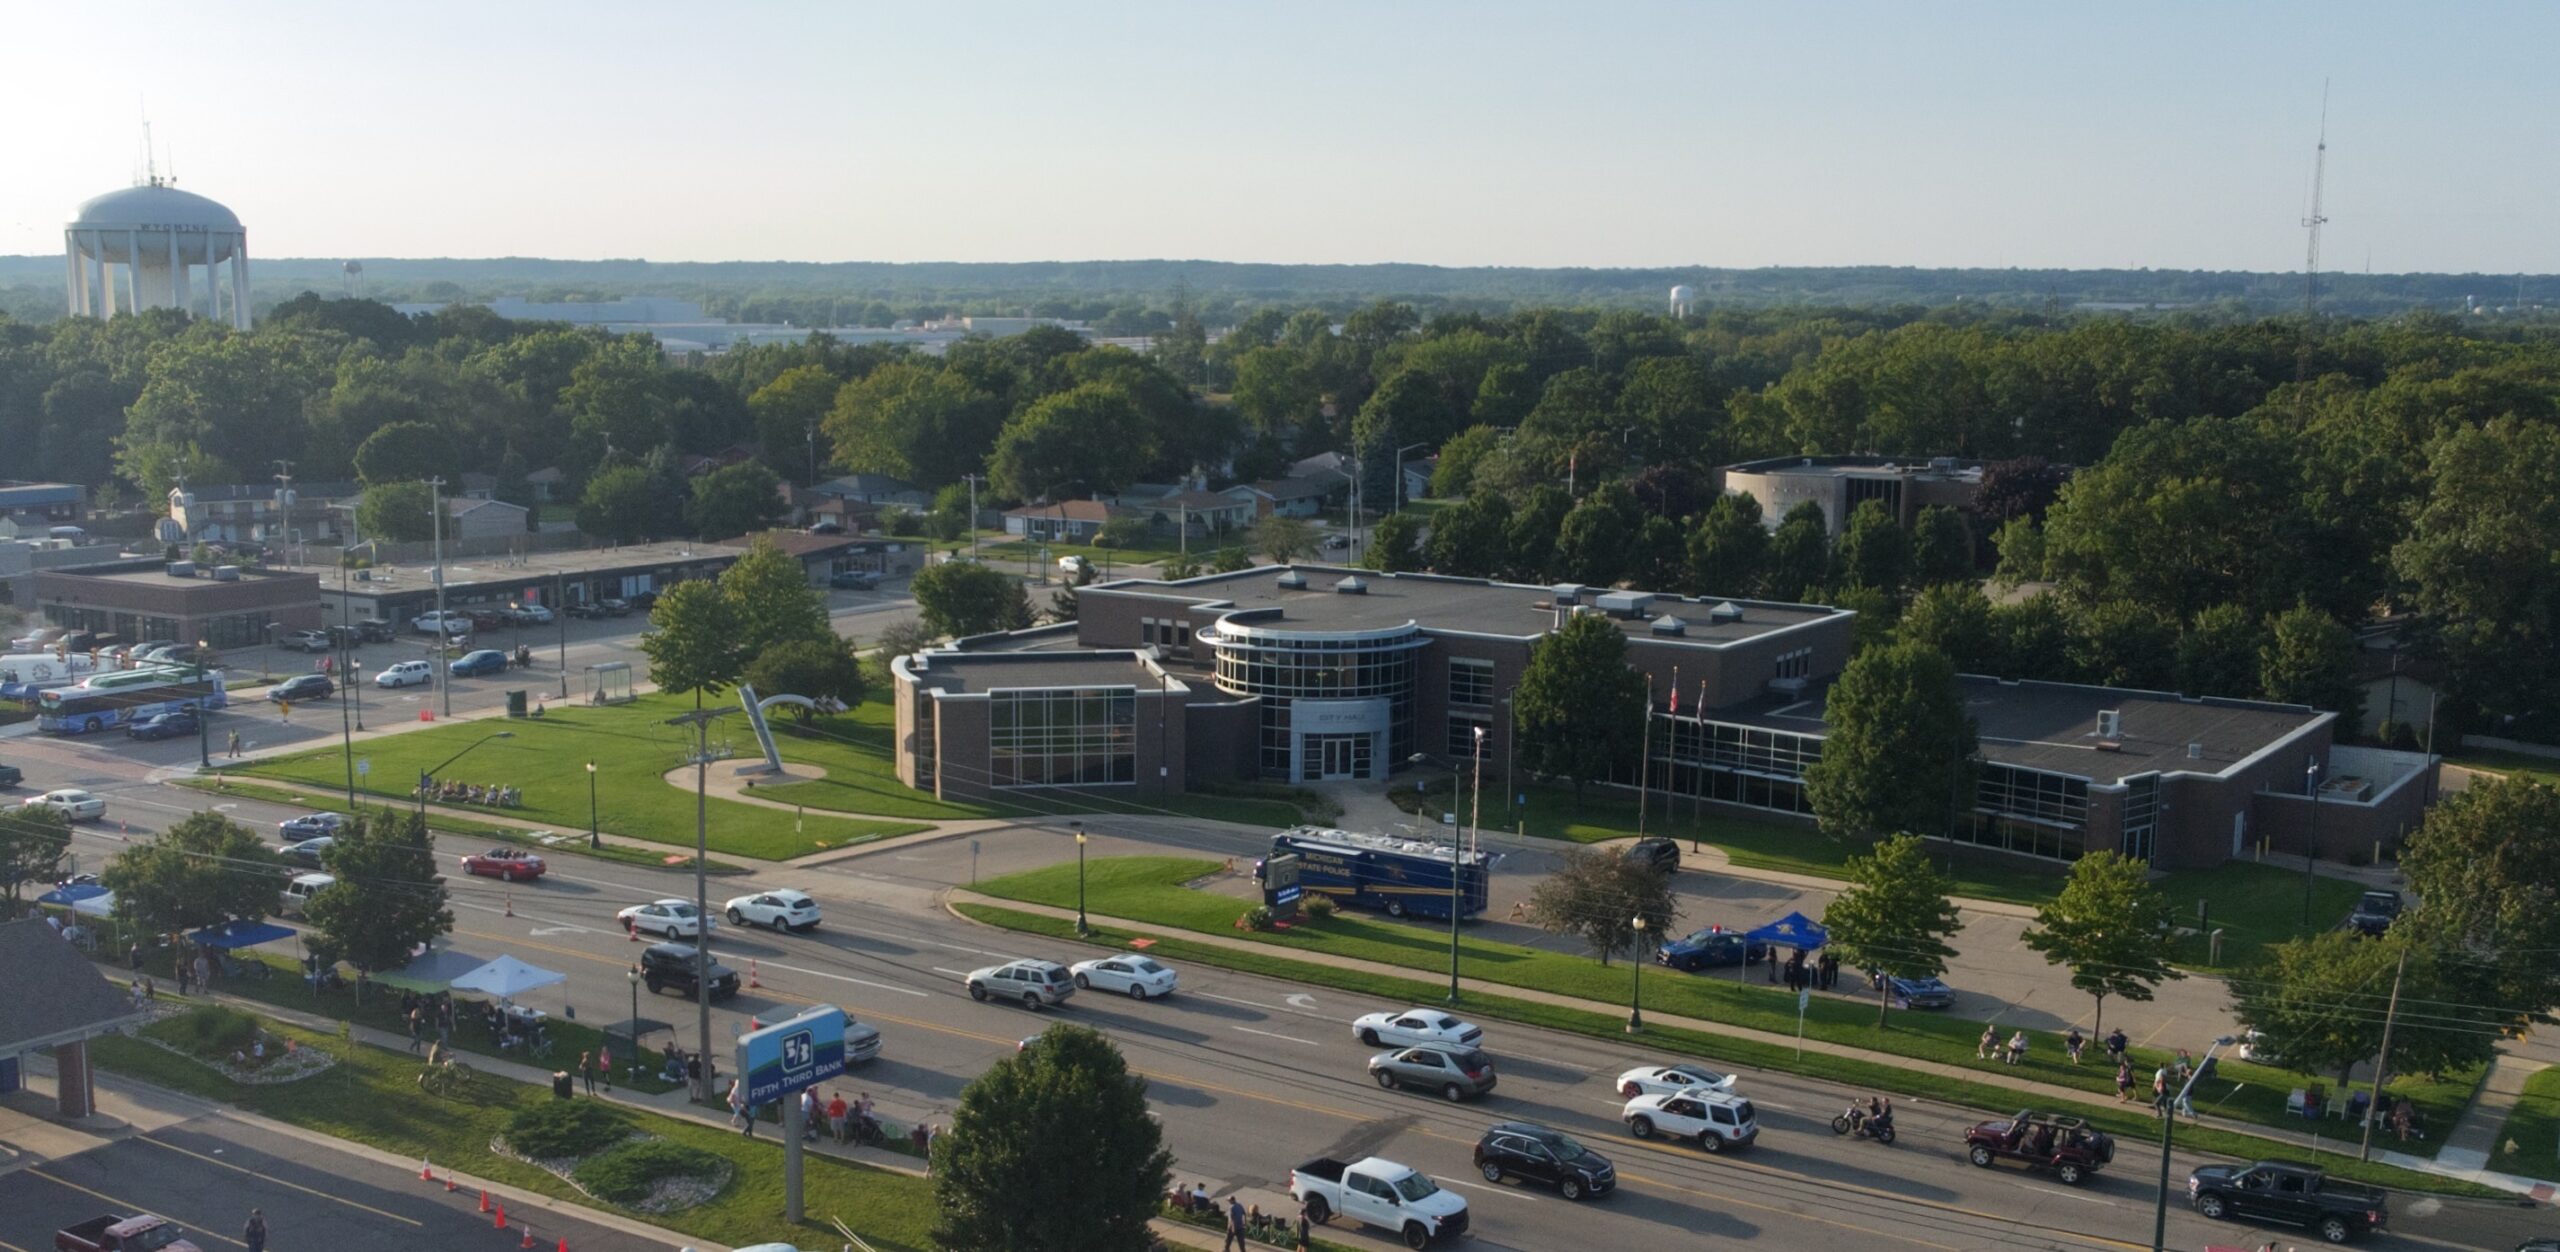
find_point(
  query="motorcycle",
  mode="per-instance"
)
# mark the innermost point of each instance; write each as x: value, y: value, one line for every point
x: 1856, y: 1121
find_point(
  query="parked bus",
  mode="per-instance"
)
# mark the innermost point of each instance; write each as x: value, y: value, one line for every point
x: 1396, y: 875
x: 106, y: 701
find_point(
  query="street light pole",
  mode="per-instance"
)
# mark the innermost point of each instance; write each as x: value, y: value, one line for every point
x: 1457, y: 862
x: 204, y: 716
x: 594, y: 840
x: 2168, y: 1129
x: 633, y: 974
x: 1082, y: 930
x: 2311, y: 845
x: 1635, y: 959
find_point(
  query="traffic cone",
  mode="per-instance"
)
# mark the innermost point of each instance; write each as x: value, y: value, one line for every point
x: 528, y: 1238
x: 755, y: 1023
x: 752, y: 980
x: 499, y: 1220
x: 564, y: 1243
x: 484, y: 1199
x: 426, y: 1170
x: 511, y: 904
x: 450, y: 1185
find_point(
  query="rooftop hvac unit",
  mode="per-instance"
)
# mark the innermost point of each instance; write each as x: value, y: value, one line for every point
x: 1625, y: 603
x: 1725, y: 613
x: 182, y: 569
x: 2195, y: 752
x: 1669, y: 625
x: 2110, y: 724
x: 1292, y: 580
x: 226, y: 573
x: 1567, y: 593
x: 1946, y: 464
x: 1351, y: 586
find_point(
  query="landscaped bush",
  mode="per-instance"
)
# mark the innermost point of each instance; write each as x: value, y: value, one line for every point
x: 1256, y: 918
x: 208, y: 1030
x: 558, y: 1128
x: 625, y: 1174
x: 1317, y: 908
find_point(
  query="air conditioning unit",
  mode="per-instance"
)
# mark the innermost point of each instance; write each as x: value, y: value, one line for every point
x: 1625, y: 603
x: 2110, y: 724
x: 182, y: 569
x: 226, y: 573
x: 1567, y: 593
x: 2195, y: 752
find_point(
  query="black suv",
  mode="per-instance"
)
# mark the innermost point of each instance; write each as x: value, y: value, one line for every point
x: 2375, y: 912
x: 302, y: 687
x: 1657, y: 853
x: 665, y: 965
x: 1533, y: 1153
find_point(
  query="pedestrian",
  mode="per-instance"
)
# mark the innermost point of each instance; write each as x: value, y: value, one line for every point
x: 813, y: 1115
x: 235, y: 743
x: 586, y: 1068
x: 255, y: 1233
x: 2400, y: 1118
x: 739, y: 1114
x: 2072, y: 1043
x: 2160, y: 1092
x: 133, y: 959
x: 182, y: 977
x: 2018, y: 1047
x: 204, y: 972
x: 414, y: 1031
x: 693, y: 1072
x: 931, y: 1133
x: 2124, y: 1080
x: 1235, y: 1226
x: 604, y: 1066
x: 2186, y: 1065
x: 1830, y: 970
x: 917, y: 1138
x: 1990, y: 1039
x: 836, y: 1109
x: 1306, y: 1241
x: 2116, y: 1043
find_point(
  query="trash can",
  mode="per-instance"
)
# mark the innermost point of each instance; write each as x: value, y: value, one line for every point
x: 515, y: 704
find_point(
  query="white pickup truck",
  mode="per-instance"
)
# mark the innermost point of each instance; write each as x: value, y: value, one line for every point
x: 1380, y: 1193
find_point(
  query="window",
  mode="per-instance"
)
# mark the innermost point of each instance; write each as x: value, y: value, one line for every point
x: 1796, y: 664
x: 1470, y: 683
x: 1062, y: 737
x: 1462, y: 736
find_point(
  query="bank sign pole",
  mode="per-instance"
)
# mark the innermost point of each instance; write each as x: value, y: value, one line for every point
x: 780, y: 1061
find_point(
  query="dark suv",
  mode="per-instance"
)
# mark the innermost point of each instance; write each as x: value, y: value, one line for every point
x: 2375, y: 912
x: 1657, y: 853
x: 664, y: 965
x: 1549, y: 1158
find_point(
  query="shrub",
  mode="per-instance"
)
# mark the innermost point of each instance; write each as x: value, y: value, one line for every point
x: 1317, y: 908
x: 624, y: 1174
x: 1256, y: 918
x: 557, y: 1128
x: 209, y: 1030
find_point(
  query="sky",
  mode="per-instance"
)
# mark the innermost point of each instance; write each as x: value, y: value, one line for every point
x: 1491, y: 133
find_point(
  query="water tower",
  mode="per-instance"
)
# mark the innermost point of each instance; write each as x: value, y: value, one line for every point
x: 1684, y: 300
x: 147, y: 242
x: 351, y: 278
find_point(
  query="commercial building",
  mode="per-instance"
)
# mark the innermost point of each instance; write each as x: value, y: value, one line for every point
x: 1839, y: 484
x: 227, y: 606
x: 35, y: 508
x: 397, y: 593
x: 263, y: 512
x: 1324, y: 674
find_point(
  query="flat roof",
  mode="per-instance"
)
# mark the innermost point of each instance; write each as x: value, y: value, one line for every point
x: 1456, y: 605
x: 505, y: 570
x: 1860, y: 467
x: 154, y: 572
x: 2054, y: 726
x: 969, y: 673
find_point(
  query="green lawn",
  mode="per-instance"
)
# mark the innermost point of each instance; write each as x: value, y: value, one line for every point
x: 997, y: 548
x: 372, y: 1097
x: 2132, y: 1128
x: 2534, y: 1128
x: 1149, y: 889
x: 311, y: 797
x: 631, y: 745
x: 2254, y: 906
x: 2541, y: 769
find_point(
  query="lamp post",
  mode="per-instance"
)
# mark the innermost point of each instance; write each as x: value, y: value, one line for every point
x: 633, y: 975
x: 1082, y: 930
x: 1635, y: 1007
x: 2168, y: 1129
x: 429, y: 773
x: 204, y: 716
x: 594, y: 840
x: 2311, y: 845
x: 346, y: 736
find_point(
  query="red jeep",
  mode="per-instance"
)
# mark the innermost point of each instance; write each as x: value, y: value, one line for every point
x: 2064, y: 1145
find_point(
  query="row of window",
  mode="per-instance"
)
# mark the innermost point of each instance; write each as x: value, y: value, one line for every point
x: 1172, y: 635
x: 1062, y: 737
x: 1470, y: 683
x: 2008, y: 834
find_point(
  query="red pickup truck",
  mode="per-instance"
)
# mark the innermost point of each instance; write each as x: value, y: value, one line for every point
x: 142, y: 1233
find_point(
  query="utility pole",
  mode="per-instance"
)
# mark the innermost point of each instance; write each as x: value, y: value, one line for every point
x: 2382, y: 1059
x: 435, y: 519
x: 973, y: 480
x: 2311, y: 845
x: 701, y: 719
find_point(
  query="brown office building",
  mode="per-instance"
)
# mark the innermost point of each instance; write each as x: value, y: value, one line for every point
x: 227, y: 606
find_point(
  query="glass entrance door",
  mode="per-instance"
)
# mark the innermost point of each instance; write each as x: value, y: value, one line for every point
x: 1334, y: 758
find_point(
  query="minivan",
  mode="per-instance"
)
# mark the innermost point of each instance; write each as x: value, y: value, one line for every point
x: 298, y: 893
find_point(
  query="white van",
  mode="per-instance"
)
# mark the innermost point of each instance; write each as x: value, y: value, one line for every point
x: 298, y: 893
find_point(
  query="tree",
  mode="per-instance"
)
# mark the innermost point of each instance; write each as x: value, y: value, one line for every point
x: 2182, y: 515
x: 788, y: 412
x: 2021, y: 488
x: 625, y: 504
x: 33, y: 842
x: 1874, y: 551
x: 1900, y: 746
x: 1533, y: 531
x: 816, y: 668
x: 1085, y: 439
x: 2309, y: 658
x: 1955, y: 620
x: 1455, y: 475
x: 1284, y: 539
x: 1394, y: 545
x: 2110, y: 925
x: 1895, y: 915
x: 1941, y: 547
x: 2218, y: 653
x: 692, y: 640
x: 771, y: 601
x: 2481, y: 866
x: 735, y: 499
x: 1799, y: 554
x: 1051, y: 1150
x: 2031, y: 638
x: 404, y: 452
x: 1597, y: 542
x: 397, y: 513
x: 2121, y: 643
x: 388, y: 899
x: 1730, y: 549
x: 2302, y: 993
x: 914, y: 421
x: 2477, y: 561
x: 204, y: 871
x: 2019, y: 545
x: 1579, y: 709
x: 1229, y: 559
x: 1595, y: 895
x: 963, y: 598
x: 1471, y: 539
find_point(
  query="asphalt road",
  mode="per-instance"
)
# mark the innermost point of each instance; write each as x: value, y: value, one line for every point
x: 208, y: 1172
x: 1251, y: 1075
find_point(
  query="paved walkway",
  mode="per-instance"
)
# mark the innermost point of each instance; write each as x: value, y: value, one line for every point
x: 2473, y: 1142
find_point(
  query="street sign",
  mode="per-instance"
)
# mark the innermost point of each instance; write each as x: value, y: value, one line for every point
x: 782, y: 1058
x: 364, y: 765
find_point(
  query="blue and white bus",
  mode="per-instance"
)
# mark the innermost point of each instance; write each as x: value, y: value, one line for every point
x: 1395, y: 875
x: 108, y: 701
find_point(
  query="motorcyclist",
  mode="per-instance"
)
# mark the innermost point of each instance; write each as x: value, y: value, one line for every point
x: 1880, y: 1121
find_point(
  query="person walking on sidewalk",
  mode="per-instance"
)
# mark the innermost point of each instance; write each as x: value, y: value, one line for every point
x: 2124, y: 1080
x: 1306, y: 1239
x: 604, y: 1066
x: 255, y: 1233
x: 739, y: 1114
x: 587, y: 1070
x: 1235, y: 1227
x: 234, y: 748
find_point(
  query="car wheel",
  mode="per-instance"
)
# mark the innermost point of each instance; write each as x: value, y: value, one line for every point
x: 778, y: 925
x: 734, y: 917
x: 1137, y: 991
x: 2210, y: 1206
x: 2335, y: 1229
x: 1395, y: 908
x: 1492, y: 1171
x: 1368, y: 1036
x: 977, y: 992
x: 1453, y: 1093
x: 1386, y: 1078
x: 1416, y: 1237
x: 1640, y: 1126
x: 1083, y: 983
x: 1570, y: 1188
x: 1031, y: 1000
x: 2071, y: 1173
x: 654, y: 985
x: 1981, y: 1156
x: 1318, y: 1211
x: 94, y: 724
x: 1711, y: 1141
x: 1630, y: 1090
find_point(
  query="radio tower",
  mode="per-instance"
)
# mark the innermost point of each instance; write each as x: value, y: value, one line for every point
x: 2311, y: 262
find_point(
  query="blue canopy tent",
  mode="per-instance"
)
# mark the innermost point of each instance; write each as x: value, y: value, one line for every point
x: 73, y: 897
x: 242, y: 933
x: 1795, y: 930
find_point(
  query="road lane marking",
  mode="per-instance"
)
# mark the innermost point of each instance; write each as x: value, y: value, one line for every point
x: 124, y: 1204
x: 1472, y: 1186
x: 606, y: 960
x: 1268, y: 1035
x: 2070, y: 1195
x: 1211, y: 995
x: 956, y: 973
x: 279, y: 1181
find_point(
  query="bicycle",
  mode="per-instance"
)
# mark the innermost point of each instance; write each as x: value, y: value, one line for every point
x: 448, y: 1077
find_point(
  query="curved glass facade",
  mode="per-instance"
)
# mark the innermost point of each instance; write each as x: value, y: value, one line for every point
x: 1334, y: 705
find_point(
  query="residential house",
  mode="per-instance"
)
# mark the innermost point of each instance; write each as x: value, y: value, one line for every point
x: 1417, y: 476
x: 37, y: 507
x: 1068, y: 521
x: 1321, y: 465
x: 876, y: 490
x: 480, y: 486
x: 469, y: 518
x: 1203, y: 513
x: 256, y: 512
x: 546, y: 483
x: 1295, y: 497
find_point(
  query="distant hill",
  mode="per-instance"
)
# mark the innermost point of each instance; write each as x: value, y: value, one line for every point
x: 30, y: 286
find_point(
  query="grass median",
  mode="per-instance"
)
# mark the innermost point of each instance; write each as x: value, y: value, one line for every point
x: 2131, y: 1129
x: 371, y: 1097
x: 1150, y: 890
x: 2529, y: 1142
x: 568, y: 843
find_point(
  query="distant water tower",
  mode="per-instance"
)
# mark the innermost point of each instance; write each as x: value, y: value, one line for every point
x: 351, y: 278
x: 1684, y: 300
x: 149, y: 239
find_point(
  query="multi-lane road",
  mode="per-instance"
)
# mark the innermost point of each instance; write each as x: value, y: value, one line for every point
x: 1251, y: 1075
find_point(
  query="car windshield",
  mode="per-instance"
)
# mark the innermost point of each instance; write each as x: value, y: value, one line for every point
x: 1565, y: 1147
x: 1415, y: 1187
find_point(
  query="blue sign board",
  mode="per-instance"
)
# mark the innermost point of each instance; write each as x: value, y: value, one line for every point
x: 782, y: 1058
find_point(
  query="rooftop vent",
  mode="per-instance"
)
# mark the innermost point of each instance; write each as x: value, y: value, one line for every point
x: 1946, y: 464
x: 1725, y: 613
x: 1567, y: 593
x: 1351, y: 586
x: 226, y: 573
x: 1292, y: 580
x: 2110, y: 724
x: 182, y: 569
x: 1669, y: 625
x: 1625, y: 603
x: 2195, y: 752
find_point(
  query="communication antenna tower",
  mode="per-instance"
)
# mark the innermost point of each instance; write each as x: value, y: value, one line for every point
x: 2313, y: 221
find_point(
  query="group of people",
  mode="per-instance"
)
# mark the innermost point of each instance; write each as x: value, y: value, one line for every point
x: 1820, y: 974
x: 677, y: 1065
x: 426, y: 1015
x: 2015, y: 1051
x: 1240, y: 1221
x: 454, y: 791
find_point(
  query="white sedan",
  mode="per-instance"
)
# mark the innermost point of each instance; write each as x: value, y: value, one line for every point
x: 73, y: 803
x: 782, y: 910
x: 1673, y: 1080
x: 1415, y: 1028
x: 672, y: 918
x: 1140, y: 977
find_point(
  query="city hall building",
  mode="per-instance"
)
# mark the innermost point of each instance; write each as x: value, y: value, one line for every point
x: 1309, y: 674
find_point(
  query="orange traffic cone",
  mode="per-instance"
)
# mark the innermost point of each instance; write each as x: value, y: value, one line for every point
x: 500, y: 1219
x: 528, y: 1238
x: 564, y: 1243
x: 450, y: 1185
x: 426, y: 1171
x: 752, y: 980
x: 484, y: 1199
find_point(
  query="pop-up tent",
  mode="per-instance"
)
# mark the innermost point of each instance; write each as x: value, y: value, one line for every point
x: 1795, y: 930
x: 87, y: 899
x: 240, y: 933
x: 432, y: 971
x: 507, y: 978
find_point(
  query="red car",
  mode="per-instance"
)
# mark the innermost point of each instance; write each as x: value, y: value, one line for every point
x: 510, y: 864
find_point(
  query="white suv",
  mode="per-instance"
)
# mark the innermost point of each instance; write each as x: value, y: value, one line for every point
x: 1034, y: 985
x: 1716, y: 1119
x: 406, y: 674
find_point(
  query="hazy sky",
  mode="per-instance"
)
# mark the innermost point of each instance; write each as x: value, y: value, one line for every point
x: 2046, y: 134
